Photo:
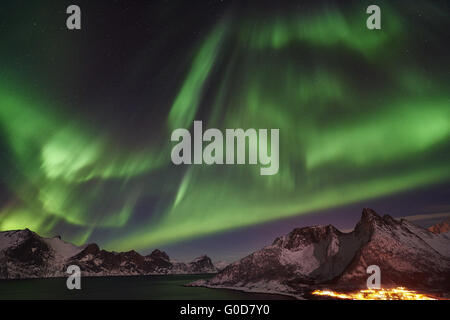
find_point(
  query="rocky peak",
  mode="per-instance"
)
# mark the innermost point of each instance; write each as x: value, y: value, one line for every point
x: 202, y: 264
x: 384, y: 222
x: 369, y: 216
x: 159, y: 255
x: 371, y: 221
x: 441, y: 227
x: 201, y: 258
x: 131, y: 256
x: 91, y: 249
x: 20, y: 234
x: 26, y: 231
x: 304, y: 236
x: 29, y: 248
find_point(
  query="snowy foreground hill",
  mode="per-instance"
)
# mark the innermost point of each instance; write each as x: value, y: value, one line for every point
x: 323, y: 257
x: 24, y: 254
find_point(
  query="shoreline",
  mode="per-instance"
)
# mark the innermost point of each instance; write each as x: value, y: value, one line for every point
x: 248, y: 290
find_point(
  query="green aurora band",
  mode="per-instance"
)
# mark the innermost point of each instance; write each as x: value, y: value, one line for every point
x: 343, y: 138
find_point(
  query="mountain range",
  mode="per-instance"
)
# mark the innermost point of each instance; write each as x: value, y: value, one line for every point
x: 323, y: 257
x: 306, y: 258
x: 25, y: 254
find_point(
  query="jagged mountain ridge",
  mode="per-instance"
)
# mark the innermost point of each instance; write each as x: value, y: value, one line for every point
x: 24, y: 254
x: 441, y: 227
x: 407, y: 255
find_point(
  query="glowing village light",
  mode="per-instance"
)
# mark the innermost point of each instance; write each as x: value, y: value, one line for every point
x: 398, y: 293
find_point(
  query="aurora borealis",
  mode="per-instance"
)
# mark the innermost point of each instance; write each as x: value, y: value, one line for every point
x: 86, y: 116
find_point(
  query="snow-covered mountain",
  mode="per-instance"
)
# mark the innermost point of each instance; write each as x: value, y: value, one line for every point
x: 441, y: 227
x: 407, y: 255
x: 24, y: 254
x: 220, y: 265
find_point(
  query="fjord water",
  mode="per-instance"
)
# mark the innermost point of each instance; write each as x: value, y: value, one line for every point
x: 160, y: 287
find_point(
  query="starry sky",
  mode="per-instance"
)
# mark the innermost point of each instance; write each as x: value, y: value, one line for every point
x: 86, y: 118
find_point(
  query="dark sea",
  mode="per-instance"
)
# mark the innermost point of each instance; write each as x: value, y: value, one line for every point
x: 160, y: 287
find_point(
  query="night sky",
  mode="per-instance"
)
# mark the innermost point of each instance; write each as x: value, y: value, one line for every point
x: 86, y: 118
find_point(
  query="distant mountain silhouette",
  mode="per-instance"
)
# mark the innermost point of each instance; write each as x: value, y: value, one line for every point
x: 24, y: 254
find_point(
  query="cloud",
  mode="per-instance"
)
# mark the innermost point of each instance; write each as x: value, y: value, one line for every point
x: 421, y: 217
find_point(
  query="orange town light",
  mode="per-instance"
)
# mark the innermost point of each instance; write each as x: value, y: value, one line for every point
x: 399, y: 293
